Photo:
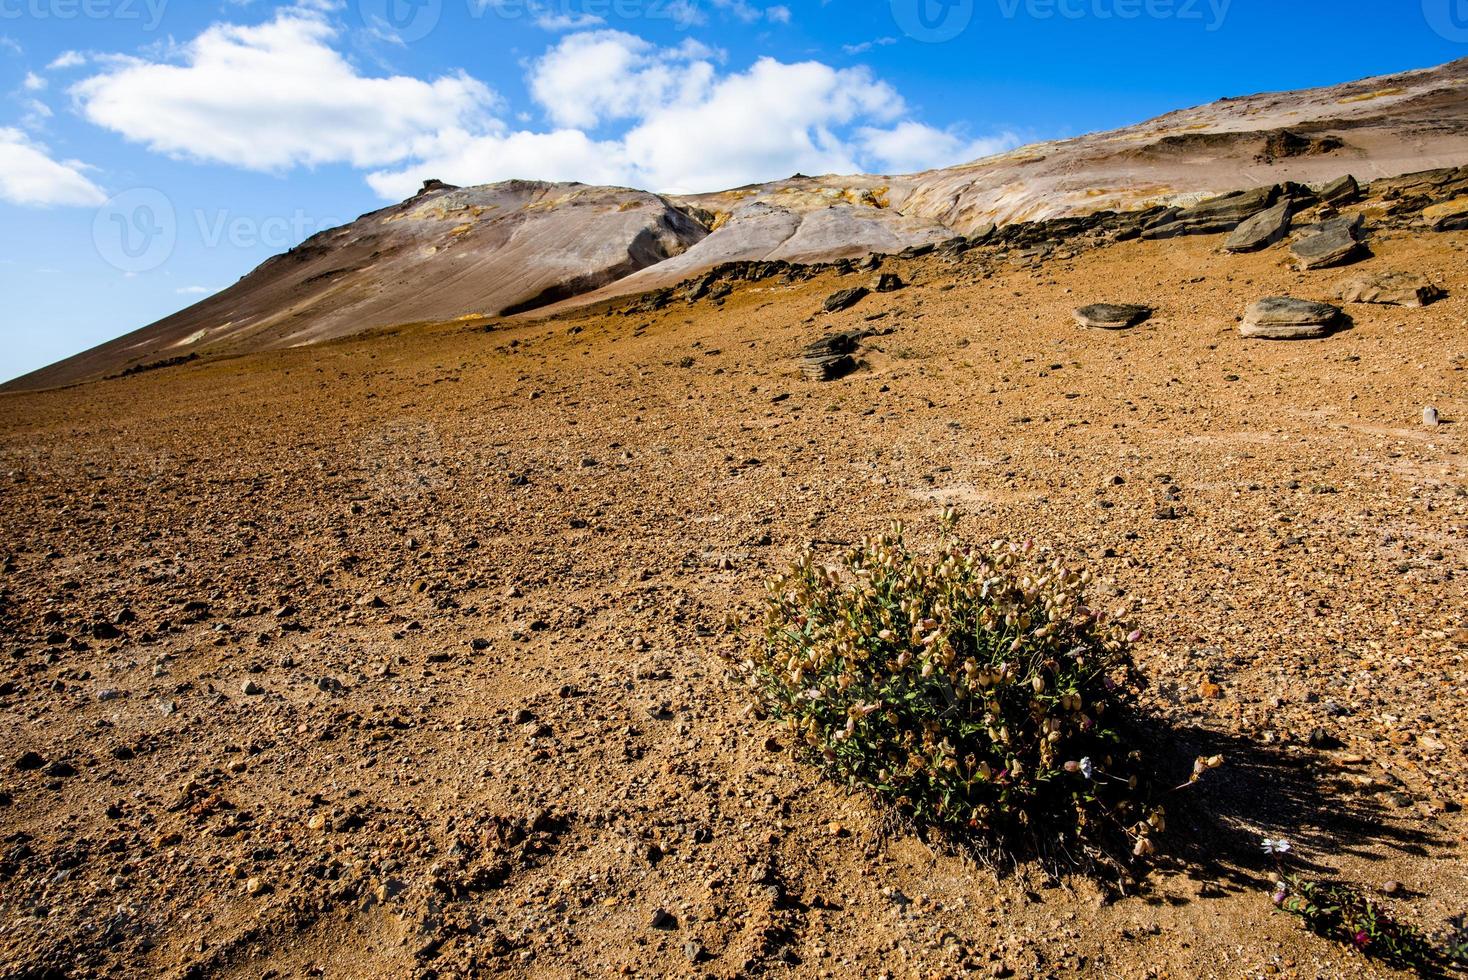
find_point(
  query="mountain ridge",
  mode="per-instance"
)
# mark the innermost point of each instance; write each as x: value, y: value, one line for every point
x: 525, y: 247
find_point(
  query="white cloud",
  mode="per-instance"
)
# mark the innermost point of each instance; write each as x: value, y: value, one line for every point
x: 769, y: 121
x: 29, y: 176
x: 589, y: 78
x: 33, y: 82
x: 67, y: 59
x: 911, y: 146
x: 273, y: 96
x: 749, y: 14
x: 8, y: 43
x: 866, y: 46
x: 462, y: 158
x: 618, y: 110
x: 551, y: 21
x: 194, y: 291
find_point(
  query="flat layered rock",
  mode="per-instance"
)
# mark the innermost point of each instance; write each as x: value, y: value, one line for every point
x: 1390, y: 289
x: 1217, y: 214
x: 1262, y: 230
x: 1326, y: 244
x: 830, y: 357
x: 1112, y: 316
x: 1448, y: 216
x: 1340, y: 192
x: 845, y: 299
x: 1286, y: 318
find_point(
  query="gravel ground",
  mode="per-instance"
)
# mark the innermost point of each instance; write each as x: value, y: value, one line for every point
x: 400, y: 656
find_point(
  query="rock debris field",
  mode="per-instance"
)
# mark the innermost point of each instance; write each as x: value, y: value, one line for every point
x: 401, y: 655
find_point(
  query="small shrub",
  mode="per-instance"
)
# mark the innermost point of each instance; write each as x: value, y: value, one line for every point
x: 1342, y: 913
x: 972, y: 688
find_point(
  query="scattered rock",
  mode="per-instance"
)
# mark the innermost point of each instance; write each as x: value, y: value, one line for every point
x: 1326, y: 244
x: 1389, y: 288
x: 829, y: 358
x: 1340, y: 192
x: 888, y: 282
x: 29, y: 762
x: 1430, y: 417
x: 1448, y: 216
x: 1217, y: 214
x: 1285, y: 318
x: 251, y: 689
x: 1262, y: 230
x: 1112, y: 316
x: 845, y: 299
x: 663, y: 920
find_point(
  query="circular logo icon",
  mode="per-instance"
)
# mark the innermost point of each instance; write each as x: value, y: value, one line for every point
x: 402, y: 20
x: 136, y: 230
x: 1449, y: 18
x: 933, y: 21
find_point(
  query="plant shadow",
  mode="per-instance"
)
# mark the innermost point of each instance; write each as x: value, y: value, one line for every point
x: 1216, y: 827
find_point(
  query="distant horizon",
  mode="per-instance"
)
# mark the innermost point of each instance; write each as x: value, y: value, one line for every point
x: 152, y: 154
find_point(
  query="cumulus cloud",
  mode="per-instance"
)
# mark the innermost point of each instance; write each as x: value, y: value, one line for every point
x: 274, y: 96
x: 912, y: 146
x: 617, y: 109
x: 33, y: 82
x: 29, y: 176
x: 706, y: 134
x: 589, y: 78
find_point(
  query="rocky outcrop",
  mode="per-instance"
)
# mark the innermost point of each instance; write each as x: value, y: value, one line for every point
x: 1223, y: 213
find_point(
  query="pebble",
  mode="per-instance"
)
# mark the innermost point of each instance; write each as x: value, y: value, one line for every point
x: 251, y: 689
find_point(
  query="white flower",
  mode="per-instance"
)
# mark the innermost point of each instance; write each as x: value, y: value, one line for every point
x: 1275, y: 847
x: 1087, y: 769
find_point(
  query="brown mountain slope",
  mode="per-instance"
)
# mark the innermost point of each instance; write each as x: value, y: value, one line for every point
x: 444, y: 253
x: 522, y: 246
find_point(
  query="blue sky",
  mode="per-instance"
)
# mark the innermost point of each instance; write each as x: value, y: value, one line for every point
x: 154, y: 151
